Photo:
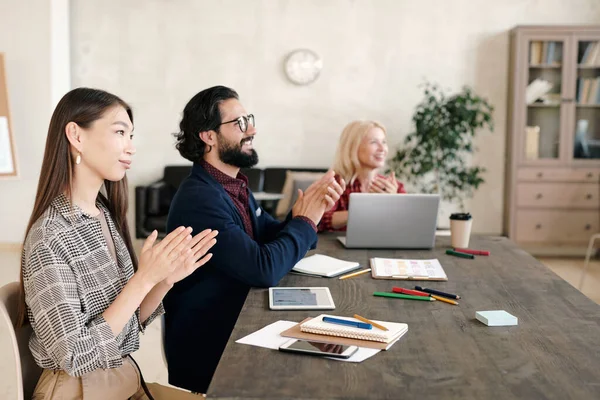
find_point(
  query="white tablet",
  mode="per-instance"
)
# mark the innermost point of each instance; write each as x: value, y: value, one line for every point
x: 300, y: 298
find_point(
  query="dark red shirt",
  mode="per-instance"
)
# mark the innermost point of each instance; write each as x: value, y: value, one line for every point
x: 237, y: 189
x: 343, y: 203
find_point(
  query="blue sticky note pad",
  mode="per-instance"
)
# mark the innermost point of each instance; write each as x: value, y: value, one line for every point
x: 496, y: 318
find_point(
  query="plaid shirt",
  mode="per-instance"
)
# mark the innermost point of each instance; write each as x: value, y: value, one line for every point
x: 343, y: 203
x: 237, y: 189
x: 70, y: 278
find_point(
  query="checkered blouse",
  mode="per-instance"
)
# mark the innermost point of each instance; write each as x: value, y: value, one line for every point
x: 70, y: 278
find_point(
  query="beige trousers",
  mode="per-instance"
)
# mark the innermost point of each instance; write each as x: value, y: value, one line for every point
x: 115, y: 383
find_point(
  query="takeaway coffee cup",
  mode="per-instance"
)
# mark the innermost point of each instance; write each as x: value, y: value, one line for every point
x: 460, y: 230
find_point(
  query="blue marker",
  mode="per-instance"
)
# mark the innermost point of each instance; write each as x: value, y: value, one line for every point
x: 355, y: 324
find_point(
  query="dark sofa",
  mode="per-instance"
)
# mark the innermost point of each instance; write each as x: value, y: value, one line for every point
x: 152, y: 202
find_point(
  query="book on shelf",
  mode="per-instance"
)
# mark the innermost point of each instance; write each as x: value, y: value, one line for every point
x: 586, y: 53
x: 532, y: 142
x: 550, y: 53
x: 544, y: 52
x: 587, y: 83
x: 591, y: 56
x: 588, y: 91
x: 593, y: 91
x: 554, y: 53
x: 535, y: 55
x: 559, y: 54
x: 595, y: 57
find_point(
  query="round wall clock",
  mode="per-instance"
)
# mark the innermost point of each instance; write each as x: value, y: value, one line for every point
x: 303, y: 66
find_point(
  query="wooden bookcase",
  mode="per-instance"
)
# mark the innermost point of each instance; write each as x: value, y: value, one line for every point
x: 553, y: 149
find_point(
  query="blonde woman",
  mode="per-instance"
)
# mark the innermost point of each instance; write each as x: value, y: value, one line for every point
x: 361, y: 153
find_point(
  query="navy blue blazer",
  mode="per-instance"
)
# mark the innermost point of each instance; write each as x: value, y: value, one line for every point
x: 202, y: 309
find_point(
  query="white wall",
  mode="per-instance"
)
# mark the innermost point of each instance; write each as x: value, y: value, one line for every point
x: 157, y: 54
x: 24, y: 38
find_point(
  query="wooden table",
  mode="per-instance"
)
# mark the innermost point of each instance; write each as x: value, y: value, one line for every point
x: 554, y: 352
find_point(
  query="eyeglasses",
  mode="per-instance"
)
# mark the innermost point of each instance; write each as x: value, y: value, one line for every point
x: 242, y: 122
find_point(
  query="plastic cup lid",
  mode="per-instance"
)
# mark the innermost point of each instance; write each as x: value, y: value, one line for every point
x: 461, y: 216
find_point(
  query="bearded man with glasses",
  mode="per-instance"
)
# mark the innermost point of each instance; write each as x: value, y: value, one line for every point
x: 253, y: 249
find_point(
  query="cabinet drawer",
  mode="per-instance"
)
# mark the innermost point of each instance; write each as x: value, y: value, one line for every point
x: 556, y: 226
x: 566, y: 195
x: 559, y: 174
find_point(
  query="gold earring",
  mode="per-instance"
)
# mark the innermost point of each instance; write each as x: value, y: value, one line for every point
x: 78, y: 159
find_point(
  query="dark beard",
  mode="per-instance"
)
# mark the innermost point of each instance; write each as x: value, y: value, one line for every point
x: 232, y: 154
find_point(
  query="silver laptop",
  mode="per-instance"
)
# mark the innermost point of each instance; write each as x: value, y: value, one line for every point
x: 391, y: 221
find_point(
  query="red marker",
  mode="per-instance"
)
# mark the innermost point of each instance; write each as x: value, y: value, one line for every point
x: 409, y: 291
x: 474, y: 252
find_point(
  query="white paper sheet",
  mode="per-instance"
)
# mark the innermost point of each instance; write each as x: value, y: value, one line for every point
x: 269, y: 337
x: 6, y: 161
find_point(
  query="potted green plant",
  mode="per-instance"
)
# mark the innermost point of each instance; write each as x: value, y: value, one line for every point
x: 435, y: 157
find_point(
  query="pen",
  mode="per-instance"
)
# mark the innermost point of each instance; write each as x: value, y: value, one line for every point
x: 364, y: 271
x: 355, y: 324
x: 445, y: 300
x: 474, y: 252
x: 437, y: 292
x: 459, y: 254
x: 403, y: 296
x: 408, y: 291
x: 375, y: 324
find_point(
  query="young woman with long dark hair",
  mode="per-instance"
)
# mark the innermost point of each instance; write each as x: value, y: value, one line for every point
x: 85, y: 293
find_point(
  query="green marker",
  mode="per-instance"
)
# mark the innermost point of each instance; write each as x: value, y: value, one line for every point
x: 403, y: 296
x: 459, y: 254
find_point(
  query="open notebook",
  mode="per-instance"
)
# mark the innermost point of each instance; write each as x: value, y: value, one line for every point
x: 415, y: 270
x: 317, y: 326
x: 321, y: 265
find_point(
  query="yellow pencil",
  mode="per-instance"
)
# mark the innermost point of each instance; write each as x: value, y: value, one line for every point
x: 375, y: 324
x: 445, y: 300
x: 364, y: 271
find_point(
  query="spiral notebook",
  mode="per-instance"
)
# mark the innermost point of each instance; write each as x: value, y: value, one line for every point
x: 317, y: 326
